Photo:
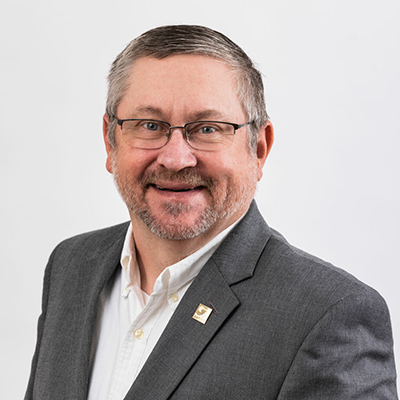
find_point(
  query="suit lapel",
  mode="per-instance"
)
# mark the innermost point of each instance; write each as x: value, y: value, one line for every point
x: 184, y: 338
x: 94, y: 276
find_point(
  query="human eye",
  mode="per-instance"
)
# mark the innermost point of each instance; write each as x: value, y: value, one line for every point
x: 205, y: 128
x: 150, y: 126
x: 146, y: 129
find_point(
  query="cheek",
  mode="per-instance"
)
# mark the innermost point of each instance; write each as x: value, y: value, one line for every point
x: 133, y: 161
x: 238, y: 167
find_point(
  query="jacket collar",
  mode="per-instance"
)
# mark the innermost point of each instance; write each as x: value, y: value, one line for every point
x: 237, y: 256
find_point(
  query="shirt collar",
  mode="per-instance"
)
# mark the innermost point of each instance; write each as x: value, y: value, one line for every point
x: 175, y: 276
x: 128, y: 254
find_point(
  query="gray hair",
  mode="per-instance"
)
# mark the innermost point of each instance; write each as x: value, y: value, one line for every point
x: 164, y: 41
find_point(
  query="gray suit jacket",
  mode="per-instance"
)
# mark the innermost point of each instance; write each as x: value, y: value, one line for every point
x: 285, y: 325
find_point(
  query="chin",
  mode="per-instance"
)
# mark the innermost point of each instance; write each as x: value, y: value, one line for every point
x: 178, y: 221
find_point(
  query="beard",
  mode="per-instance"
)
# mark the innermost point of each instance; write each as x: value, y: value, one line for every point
x: 226, y: 199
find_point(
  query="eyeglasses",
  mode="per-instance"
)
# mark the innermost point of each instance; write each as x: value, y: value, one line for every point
x: 201, y: 135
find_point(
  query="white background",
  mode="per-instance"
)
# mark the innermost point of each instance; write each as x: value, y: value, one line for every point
x: 331, y: 184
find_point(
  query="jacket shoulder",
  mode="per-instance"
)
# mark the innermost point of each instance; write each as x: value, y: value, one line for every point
x: 309, y: 278
x: 92, y: 241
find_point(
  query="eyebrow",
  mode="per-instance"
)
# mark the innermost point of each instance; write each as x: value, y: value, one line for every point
x: 207, y: 114
x: 148, y: 111
x: 156, y: 112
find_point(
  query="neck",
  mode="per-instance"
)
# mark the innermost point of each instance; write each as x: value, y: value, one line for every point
x: 154, y: 254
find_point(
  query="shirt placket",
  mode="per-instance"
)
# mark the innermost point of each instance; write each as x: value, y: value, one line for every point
x: 133, y: 345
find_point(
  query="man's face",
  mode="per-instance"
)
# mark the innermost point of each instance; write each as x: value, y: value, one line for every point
x: 179, y: 192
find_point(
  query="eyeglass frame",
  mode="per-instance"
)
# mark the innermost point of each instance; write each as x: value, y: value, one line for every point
x: 187, y: 135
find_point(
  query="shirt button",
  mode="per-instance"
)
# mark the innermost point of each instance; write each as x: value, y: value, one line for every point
x: 138, y: 334
x: 174, y: 298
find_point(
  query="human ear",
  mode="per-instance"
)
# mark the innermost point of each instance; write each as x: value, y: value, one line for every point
x: 109, y: 149
x: 264, y: 145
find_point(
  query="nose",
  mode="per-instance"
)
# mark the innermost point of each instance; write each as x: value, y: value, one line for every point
x: 177, y: 154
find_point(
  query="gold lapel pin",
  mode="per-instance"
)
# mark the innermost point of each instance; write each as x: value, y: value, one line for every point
x: 202, y: 313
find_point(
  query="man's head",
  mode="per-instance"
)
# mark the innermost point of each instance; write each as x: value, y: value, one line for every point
x: 191, y: 179
x: 165, y: 41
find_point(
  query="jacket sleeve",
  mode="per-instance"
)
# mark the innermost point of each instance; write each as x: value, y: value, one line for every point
x: 347, y: 355
x: 42, y: 318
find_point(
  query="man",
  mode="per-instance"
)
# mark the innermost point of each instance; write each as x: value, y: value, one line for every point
x: 196, y: 297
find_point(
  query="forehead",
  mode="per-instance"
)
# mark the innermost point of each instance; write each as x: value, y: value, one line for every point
x: 182, y: 84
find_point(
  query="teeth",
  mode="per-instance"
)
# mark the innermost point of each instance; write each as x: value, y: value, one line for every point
x: 173, y: 190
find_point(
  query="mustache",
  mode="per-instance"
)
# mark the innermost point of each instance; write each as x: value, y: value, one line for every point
x: 185, y: 176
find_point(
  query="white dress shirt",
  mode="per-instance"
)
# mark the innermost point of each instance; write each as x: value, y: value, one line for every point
x: 130, y: 322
